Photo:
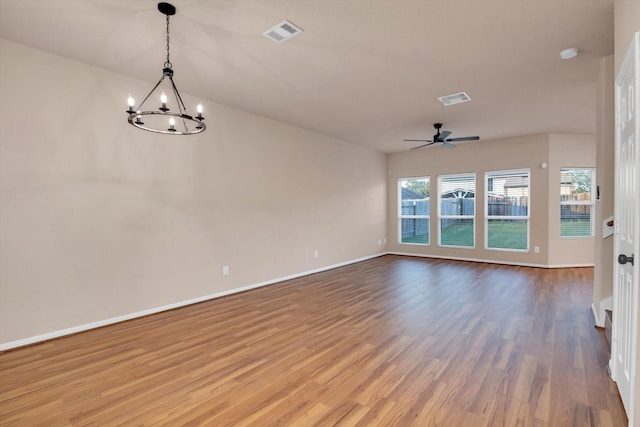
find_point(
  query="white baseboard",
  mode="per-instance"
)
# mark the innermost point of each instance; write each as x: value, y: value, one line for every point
x: 492, y: 261
x: 599, y: 313
x: 87, y: 326
x: 599, y: 321
x: 488, y: 261
x: 610, y: 370
x: 570, y: 265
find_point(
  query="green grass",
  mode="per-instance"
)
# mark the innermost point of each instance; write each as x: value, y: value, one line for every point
x: 576, y: 228
x: 457, y: 235
x: 421, y: 239
x: 502, y: 235
x: 507, y: 235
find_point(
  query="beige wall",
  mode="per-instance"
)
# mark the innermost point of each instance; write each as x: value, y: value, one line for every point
x: 568, y: 151
x: 603, y: 271
x: 100, y: 220
x: 626, y: 21
x: 482, y: 156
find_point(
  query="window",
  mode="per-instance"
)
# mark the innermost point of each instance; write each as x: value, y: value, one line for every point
x: 576, y: 202
x: 413, y: 210
x: 507, y: 210
x: 457, y: 198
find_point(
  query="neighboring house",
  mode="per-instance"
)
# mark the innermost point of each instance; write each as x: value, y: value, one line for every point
x: 411, y: 195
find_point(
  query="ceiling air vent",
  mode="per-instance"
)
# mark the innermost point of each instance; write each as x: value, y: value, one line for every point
x: 282, y: 32
x: 456, y: 98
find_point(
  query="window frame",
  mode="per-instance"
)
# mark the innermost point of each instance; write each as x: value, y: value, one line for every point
x: 472, y: 217
x: 488, y: 217
x: 591, y: 202
x: 401, y: 216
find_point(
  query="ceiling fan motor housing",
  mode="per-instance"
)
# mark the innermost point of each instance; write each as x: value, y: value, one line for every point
x: 436, y: 137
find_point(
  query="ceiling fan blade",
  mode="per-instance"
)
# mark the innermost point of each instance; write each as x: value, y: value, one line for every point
x: 447, y: 145
x: 464, y: 138
x: 443, y: 135
x: 418, y: 140
x: 423, y: 145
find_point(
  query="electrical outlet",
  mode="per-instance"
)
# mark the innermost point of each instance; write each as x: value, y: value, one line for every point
x: 536, y: 249
x: 379, y: 242
x: 384, y: 240
x: 225, y: 270
x: 315, y: 254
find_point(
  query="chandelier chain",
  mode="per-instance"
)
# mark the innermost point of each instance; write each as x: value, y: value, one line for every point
x: 168, y: 63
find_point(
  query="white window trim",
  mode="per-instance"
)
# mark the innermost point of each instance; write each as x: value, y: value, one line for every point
x: 401, y: 217
x: 591, y: 202
x: 488, y: 217
x: 473, y: 217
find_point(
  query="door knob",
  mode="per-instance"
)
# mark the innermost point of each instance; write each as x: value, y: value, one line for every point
x: 623, y: 259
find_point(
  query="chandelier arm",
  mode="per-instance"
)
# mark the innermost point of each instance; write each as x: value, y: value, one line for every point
x: 184, y: 124
x: 181, y: 106
x: 200, y: 126
x: 149, y: 94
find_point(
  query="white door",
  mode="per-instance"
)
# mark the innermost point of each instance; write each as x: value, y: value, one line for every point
x: 626, y: 296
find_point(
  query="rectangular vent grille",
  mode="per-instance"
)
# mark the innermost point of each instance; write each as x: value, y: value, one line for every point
x: 282, y: 32
x: 456, y: 98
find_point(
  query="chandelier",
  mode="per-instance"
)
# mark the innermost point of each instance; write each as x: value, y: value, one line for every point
x: 164, y: 119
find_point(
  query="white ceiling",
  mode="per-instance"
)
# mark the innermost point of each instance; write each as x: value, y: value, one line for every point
x: 364, y: 71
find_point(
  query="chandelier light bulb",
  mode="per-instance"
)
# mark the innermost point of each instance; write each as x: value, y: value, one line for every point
x: 199, y: 109
x: 131, y: 103
x: 172, y: 125
x: 163, y: 100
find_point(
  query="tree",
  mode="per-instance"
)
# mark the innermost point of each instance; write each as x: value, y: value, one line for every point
x: 580, y: 181
x: 419, y: 186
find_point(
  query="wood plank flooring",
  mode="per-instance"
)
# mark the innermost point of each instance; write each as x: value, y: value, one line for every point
x: 393, y: 341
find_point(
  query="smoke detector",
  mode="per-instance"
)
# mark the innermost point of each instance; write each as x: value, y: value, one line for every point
x: 456, y: 98
x: 569, y: 53
x: 282, y: 32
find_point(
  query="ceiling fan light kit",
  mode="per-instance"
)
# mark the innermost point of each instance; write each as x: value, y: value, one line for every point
x: 442, y: 138
x: 164, y: 120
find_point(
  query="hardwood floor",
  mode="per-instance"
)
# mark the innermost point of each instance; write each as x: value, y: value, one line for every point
x: 393, y: 341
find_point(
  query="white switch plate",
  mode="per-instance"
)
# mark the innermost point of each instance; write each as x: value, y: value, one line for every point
x: 607, y: 230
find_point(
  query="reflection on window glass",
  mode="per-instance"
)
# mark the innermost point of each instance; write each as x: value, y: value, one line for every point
x: 507, y: 210
x: 414, y: 207
x: 576, y: 202
x: 457, y: 206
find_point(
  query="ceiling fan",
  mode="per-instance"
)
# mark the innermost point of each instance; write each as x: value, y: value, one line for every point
x: 442, y: 138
